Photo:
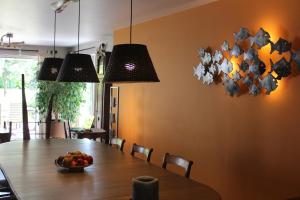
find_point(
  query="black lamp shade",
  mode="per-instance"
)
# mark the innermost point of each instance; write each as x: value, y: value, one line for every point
x: 78, y: 68
x: 50, y: 69
x: 130, y: 63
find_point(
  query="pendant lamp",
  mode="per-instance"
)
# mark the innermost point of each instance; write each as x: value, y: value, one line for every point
x: 51, y: 65
x: 130, y: 63
x: 78, y: 67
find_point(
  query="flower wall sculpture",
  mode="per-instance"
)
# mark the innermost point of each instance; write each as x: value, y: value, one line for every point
x: 257, y: 76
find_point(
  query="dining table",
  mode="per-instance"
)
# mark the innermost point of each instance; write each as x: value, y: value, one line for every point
x: 30, y: 170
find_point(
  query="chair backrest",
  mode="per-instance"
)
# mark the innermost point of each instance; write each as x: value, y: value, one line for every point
x: 117, y: 142
x: 5, y: 137
x: 6, y: 192
x: 3, y: 181
x: 67, y: 129
x: 179, y: 161
x: 143, y: 150
x: 9, y: 126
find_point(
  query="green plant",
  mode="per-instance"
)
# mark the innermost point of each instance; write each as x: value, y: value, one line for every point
x: 67, y: 98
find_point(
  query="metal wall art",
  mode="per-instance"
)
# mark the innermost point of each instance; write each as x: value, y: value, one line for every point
x: 251, y: 72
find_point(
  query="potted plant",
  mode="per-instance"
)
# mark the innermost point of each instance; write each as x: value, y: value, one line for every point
x: 66, y: 99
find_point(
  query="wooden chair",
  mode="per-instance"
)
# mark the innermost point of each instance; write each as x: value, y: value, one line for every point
x: 179, y: 161
x: 67, y: 129
x: 117, y: 142
x: 7, y: 194
x: 3, y: 181
x: 5, y: 137
x: 143, y: 150
x: 5, y: 191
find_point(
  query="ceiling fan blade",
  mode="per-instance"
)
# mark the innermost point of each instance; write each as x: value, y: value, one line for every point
x: 17, y: 43
x: 12, y: 44
x: 56, y: 5
x: 18, y: 49
x: 60, y: 5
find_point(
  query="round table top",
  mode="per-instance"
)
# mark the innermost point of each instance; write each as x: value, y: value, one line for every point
x: 30, y: 169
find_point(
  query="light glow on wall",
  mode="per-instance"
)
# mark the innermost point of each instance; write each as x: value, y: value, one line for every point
x: 271, y: 25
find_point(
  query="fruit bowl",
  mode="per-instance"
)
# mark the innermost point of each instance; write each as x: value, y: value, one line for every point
x: 74, y: 161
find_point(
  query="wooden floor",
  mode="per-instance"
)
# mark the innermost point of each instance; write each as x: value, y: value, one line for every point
x: 31, y: 171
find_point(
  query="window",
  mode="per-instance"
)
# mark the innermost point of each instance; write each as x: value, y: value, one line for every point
x: 88, y: 109
x: 11, y: 70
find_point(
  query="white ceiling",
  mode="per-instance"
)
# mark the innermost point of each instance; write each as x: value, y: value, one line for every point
x: 32, y: 20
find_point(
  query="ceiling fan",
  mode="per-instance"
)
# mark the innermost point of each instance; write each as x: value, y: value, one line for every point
x: 60, y: 5
x: 10, y: 44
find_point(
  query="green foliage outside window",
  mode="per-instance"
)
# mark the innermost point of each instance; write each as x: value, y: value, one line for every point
x: 66, y: 101
x: 11, y: 70
x: 67, y: 96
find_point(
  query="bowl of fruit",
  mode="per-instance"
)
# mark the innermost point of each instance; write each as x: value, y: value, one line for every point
x: 74, y: 161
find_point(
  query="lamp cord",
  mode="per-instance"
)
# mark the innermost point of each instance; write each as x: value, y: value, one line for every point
x: 54, y: 34
x: 130, y: 21
x: 78, y: 26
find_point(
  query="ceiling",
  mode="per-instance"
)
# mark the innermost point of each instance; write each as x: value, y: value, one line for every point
x: 32, y: 20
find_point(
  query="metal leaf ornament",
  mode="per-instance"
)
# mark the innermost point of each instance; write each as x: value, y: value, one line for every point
x: 225, y: 46
x: 251, y: 54
x: 296, y: 58
x: 213, y: 69
x: 206, y: 59
x: 261, y: 67
x: 236, y: 50
x: 254, y: 69
x: 199, y: 71
x: 254, y: 90
x: 269, y: 83
x: 281, y: 46
x: 236, y: 76
x: 226, y: 66
x: 208, y: 78
x: 244, y: 66
x: 247, y: 80
x: 261, y: 39
x: 282, y: 68
x: 208, y: 66
x: 231, y: 87
x: 243, y: 34
x: 201, y: 52
x: 251, y: 69
x: 217, y: 56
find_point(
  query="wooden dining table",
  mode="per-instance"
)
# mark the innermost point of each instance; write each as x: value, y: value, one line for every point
x: 31, y: 172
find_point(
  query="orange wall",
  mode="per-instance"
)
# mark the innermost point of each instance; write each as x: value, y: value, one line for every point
x: 247, y: 148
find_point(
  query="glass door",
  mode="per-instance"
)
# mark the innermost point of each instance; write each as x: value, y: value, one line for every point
x: 11, y: 70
